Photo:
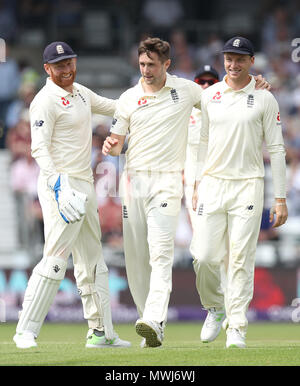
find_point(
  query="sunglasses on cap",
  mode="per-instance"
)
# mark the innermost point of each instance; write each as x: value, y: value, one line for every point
x: 203, y: 81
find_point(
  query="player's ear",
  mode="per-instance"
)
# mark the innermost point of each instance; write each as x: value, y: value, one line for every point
x: 47, y: 68
x: 167, y: 64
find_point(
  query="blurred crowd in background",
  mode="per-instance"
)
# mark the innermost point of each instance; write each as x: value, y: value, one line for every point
x: 197, y: 31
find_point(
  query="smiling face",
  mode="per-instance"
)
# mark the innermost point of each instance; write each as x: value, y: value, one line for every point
x: 153, y: 70
x: 237, y: 66
x: 62, y: 73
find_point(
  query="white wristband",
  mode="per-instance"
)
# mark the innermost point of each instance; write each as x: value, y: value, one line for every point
x: 280, y: 203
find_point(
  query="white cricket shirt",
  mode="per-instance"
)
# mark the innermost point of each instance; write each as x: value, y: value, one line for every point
x: 234, y: 126
x: 156, y: 124
x: 61, y: 130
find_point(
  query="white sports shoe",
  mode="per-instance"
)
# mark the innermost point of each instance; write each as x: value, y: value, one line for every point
x: 25, y: 339
x: 235, y: 339
x: 96, y: 340
x: 212, y: 325
x: 152, y: 332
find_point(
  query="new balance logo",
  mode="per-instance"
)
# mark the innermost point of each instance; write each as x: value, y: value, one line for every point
x: 250, y: 207
x: 38, y: 123
x: 56, y: 268
x: 164, y: 204
x: 125, y: 213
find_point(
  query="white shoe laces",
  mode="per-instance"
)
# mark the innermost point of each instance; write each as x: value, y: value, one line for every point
x: 212, y: 317
x: 236, y: 334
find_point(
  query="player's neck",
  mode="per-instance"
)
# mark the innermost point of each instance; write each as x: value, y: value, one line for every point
x: 69, y: 88
x: 238, y: 84
x: 154, y: 87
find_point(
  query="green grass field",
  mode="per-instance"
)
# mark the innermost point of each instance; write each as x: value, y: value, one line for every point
x: 268, y: 344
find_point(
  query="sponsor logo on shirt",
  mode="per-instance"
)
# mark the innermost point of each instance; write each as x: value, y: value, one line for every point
x: 142, y: 101
x: 163, y: 204
x: 66, y: 103
x: 278, y: 119
x: 216, y: 98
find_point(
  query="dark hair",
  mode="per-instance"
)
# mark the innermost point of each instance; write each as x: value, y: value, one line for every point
x: 160, y: 47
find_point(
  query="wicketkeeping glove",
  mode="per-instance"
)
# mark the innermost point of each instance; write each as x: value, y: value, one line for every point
x: 71, y: 203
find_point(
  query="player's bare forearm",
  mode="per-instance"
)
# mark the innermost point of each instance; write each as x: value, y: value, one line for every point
x: 195, y: 195
x: 280, y: 211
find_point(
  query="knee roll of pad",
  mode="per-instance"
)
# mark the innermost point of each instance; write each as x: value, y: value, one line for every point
x: 39, y: 295
x: 52, y: 268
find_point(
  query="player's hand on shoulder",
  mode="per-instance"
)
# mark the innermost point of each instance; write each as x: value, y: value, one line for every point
x: 261, y: 83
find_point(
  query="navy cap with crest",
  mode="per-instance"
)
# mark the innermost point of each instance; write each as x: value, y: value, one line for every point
x: 239, y: 45
x: 57, y: 51
x: 207, y: 69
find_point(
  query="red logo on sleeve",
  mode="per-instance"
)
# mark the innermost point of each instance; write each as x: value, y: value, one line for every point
x: 65, y: 102
x: 278, y: 116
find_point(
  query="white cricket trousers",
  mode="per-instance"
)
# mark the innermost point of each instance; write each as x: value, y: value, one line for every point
x: 81, y: 239
x: 228, y: 224
x: 151, y: 204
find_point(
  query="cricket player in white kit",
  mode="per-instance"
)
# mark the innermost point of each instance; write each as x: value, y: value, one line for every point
x: 228, y: 196
x: 155, y: 115
x: 205, y: 76
x: 61, y: 134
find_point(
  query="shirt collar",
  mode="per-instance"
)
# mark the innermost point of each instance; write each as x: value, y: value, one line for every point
x: 170, y: 81
x: 55, y: 89
x: 246, y: 89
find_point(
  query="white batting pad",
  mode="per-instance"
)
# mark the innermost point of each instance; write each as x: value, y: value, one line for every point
x: 39, y: 295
